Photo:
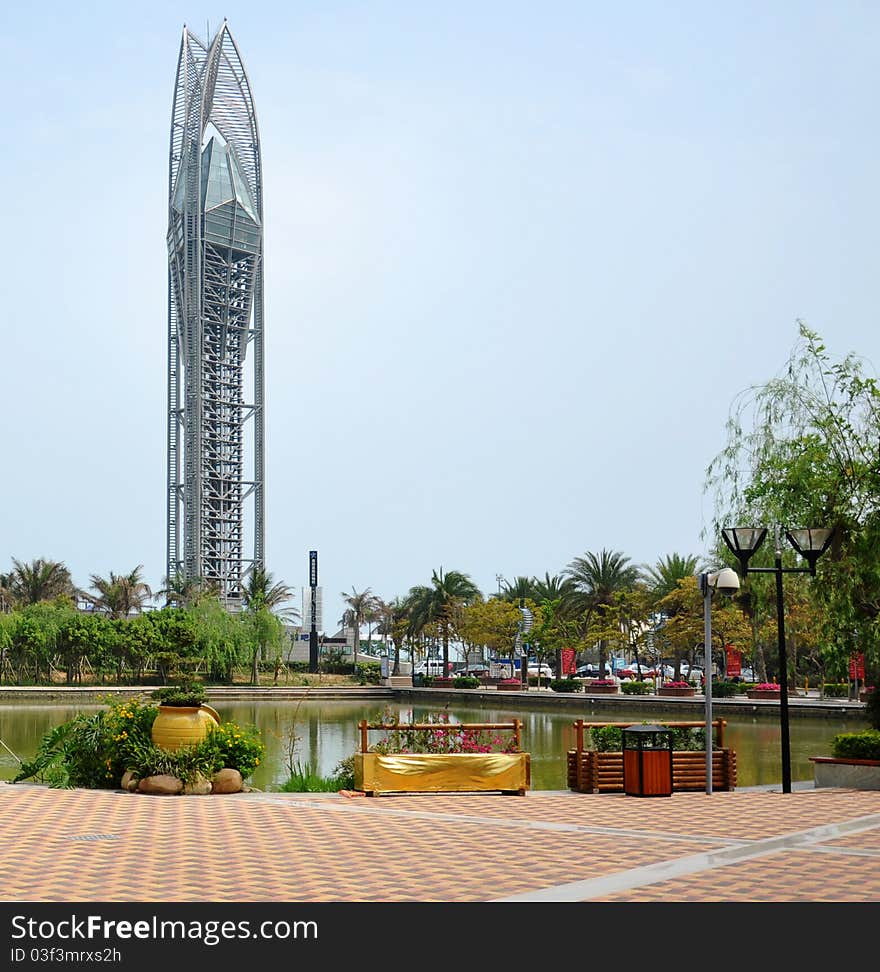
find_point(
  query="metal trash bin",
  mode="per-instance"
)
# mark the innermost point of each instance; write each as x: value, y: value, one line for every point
x: 647, y: 760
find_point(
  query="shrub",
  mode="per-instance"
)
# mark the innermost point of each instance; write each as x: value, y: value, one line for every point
x: 724, y: 690
x: 234, y: 747
x: 857, y: 745
x: 607, y: 739
x: 688, y: 738
x: 465, y: 681
x: 835, y: 690
x: 368, y: 673
x: 566, y: 685
x: 427, y: 680
x: 94, y: 751
x: 182, y: 694
x: 635, y: 688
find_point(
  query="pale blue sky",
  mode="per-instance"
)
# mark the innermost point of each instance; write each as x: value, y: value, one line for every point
x: 520, y: 258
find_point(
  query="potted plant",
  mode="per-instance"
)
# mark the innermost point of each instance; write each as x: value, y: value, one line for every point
x: 438, y: 755
x: 184, y: 717
x: 854, y: 762
x: 673, y: 689
x: 764, y: 690
x: 603, y: 686
x: 509, y: 685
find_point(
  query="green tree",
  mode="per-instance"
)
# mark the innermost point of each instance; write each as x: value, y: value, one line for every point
x: 264, y: 602
x: 39, y: 580
x: 361, y: 605
x: 802, y: 451
x: 438, y: 603
x: 120, y: 595
x: 595, y: 579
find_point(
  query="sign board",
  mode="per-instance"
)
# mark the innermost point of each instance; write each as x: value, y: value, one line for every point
x: 313, y: 568
x: 734, y: 661
x: 857, y: 667
x: 385, y: 664
x: 569, y: 665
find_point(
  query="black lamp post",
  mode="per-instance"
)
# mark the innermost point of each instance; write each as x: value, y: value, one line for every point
x: 313, y: 592
x: 810, y: 544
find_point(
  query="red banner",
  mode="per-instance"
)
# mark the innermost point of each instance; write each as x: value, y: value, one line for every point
x: 734, y: 661
x: 568, y: 661
x: 857, y: 667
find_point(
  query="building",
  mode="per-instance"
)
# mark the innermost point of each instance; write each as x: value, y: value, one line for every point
x: 215, y: 320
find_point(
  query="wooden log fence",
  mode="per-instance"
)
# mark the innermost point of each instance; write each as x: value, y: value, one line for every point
x: 590, y: 771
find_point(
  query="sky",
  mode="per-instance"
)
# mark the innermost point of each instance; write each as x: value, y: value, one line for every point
x: 520, y: 259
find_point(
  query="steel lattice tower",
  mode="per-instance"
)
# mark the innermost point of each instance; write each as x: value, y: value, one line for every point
x: 215, y: 312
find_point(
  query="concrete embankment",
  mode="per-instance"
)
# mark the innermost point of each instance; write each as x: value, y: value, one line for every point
x: 604, y: 706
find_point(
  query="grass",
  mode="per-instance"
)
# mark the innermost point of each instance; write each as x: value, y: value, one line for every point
x: 306, y: 779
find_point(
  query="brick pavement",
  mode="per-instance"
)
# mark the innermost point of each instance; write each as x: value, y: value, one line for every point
x: 749, y: 845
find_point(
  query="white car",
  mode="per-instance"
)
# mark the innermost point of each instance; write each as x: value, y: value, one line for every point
x: 543, y: 670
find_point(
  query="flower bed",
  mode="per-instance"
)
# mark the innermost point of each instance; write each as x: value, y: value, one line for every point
x: 764, y: 690
x: 676, y: 689
x: 114, y: 748
x: 441, y: 756
x: 509, y: 685
x: 601, y: 686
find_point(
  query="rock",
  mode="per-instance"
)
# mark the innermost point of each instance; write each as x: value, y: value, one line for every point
x: 129, y: 781
x: 163, y: 784
x: 227, y: 781
x: 199, y: 786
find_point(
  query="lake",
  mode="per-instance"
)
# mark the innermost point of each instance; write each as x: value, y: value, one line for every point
x: 326, y: 732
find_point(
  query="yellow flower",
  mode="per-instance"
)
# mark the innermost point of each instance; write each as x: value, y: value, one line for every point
x: 257, y: 761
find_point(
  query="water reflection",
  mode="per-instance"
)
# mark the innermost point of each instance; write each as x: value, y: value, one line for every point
x: 326, y: 732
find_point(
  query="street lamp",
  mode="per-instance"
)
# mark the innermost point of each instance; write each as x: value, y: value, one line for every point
x: 726, y: 581
x: 810, y: 544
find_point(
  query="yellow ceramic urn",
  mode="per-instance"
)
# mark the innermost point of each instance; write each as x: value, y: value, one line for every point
x: 182, y: 725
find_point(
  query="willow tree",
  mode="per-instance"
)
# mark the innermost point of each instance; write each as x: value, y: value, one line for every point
x: 802, y: 451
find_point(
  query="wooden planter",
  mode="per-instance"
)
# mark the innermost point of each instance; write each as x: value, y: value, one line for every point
x: 601, y: 689
x: 440, y: 681
x: 851, y: 774
x: 593, y: 772
x: 436, y: 773
x: 676, y: 692
x: 590, y: 771
x: 763, y: 694
x: 512, y: 687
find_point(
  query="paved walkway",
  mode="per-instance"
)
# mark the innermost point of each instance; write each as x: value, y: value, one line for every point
x: 749, y: 845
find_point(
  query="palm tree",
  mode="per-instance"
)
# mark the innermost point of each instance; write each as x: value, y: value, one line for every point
x: 121, y: 594
x: 663, y: 577
x: 439, y: 602
x: 517, y: 589
x: 262, y: 598
x: 551, y: 588
x: 662, y: 580
x: 360, y: 605
x: 595, y: 579
x: 40, y: 580
x: 183, y: 591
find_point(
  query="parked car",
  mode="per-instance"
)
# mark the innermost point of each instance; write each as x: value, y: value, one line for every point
x: 545, y: 671
x: 433, y: 666
x: 479, y: 669
x: 587, y: 671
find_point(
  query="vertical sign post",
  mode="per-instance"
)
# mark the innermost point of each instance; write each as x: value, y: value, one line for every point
x: 313, y: 634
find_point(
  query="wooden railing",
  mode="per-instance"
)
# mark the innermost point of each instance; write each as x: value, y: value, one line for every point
x: 515, y: 727
x: 718, y: 724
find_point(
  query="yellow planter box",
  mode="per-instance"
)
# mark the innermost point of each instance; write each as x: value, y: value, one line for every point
x: 442, y: 772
